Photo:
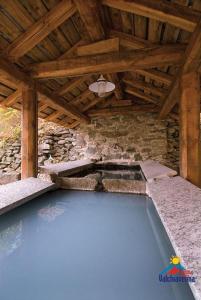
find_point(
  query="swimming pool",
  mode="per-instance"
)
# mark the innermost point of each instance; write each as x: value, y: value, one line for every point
x: 85, y: 245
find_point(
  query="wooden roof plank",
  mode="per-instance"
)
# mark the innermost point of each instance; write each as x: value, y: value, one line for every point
x: 90, y: 15
x: 145, y: 86
x: 164, y: 11
x: 39, y: 30
x: 69, y: 86
x: 156, y: 75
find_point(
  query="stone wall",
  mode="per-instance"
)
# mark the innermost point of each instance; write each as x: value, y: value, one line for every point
x: 133, y: 136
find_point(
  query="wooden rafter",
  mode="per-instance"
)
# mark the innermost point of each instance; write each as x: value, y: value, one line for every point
x: 20, y: 77
x: 76, y: 101
x: 136, y: 92
x: 60, y: 104
x: 145, y: 86
x: 129, y: 41
x: 39, y: 30
x: 113, y: 77
x: 191, y: 64
x: 13, y: 98
x: 164, y: 11
x: 105, y: 46
x: 156, y: 75
x: 110, y: 63
x: 90, y: 13
x: 69, y: 86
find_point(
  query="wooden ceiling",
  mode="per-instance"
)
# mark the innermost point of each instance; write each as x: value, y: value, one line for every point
x: 140, y: 45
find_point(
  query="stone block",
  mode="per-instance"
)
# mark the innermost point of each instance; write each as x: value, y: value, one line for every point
x: 7, y: 178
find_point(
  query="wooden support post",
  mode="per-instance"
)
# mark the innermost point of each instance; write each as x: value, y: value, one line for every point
x: 190, y: 127
x: 29, y: 166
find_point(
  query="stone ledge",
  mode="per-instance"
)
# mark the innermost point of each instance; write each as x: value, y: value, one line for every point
x: 17, y: 193
x: 178, y: 203
x: 85, y: 184
x: 68, y: 168
x: 124, y: 186
x: 153, y: 170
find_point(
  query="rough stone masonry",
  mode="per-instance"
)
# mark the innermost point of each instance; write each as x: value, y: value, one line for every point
x: 135, y: 136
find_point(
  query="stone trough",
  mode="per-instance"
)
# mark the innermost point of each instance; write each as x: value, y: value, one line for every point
x: 82, y: 175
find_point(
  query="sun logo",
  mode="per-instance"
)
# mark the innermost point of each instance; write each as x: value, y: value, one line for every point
x: 175, y: 260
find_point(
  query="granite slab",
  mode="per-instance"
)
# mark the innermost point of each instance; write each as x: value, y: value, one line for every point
x: 67, y: 168
x: 17, y: 193
x: 124, y: 186
x: 83, y: 183
x: 178, y: 203
x: 153, y: 170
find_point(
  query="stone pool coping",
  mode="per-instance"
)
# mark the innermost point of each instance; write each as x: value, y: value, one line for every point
x: 67, y: 168
x: 153, y: 170
x: 17, y: 193
x: 178, y: 203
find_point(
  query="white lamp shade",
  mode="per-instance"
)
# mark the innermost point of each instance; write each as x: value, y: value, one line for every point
x: 102, y: 86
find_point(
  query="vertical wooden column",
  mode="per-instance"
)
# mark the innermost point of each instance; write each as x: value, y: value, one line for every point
x: 190, y: 128
x: 29, y: 139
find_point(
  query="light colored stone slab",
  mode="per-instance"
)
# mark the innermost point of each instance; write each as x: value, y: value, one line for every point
x: 67, y: 168
x: 86, y: 184
x: 17, y: 193
x: 124, y: 186
x: 178, y: 203
x: 153, y: 170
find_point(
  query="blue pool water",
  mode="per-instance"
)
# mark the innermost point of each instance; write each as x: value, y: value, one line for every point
x: 69, y: 245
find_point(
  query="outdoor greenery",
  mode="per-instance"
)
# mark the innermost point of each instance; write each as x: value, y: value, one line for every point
x: 9, y: 124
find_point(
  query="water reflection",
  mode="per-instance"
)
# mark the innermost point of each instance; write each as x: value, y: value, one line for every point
x: 50, y: 213
x: 10, y: 239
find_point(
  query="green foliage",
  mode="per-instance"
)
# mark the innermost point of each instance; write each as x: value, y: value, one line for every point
x: 9, y: 124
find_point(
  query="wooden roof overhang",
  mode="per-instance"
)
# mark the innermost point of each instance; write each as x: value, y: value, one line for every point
x: 143, y: 46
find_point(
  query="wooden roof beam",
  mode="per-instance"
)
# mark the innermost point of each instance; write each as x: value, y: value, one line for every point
x: 136, y: 92
x: 191, y: 64
x: 164, y: 11
x: 104, y: 46
x: 13, y: 98
x: 110, y: 63
x: 20, y: 77
x: 156, y: 75
x: 129, y: 41
x: 90, y: 14
x: 39, y: 30
x: 146, y: 87
x: 113, y: 77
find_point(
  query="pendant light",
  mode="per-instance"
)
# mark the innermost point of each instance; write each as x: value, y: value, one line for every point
x: 102, y: 86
